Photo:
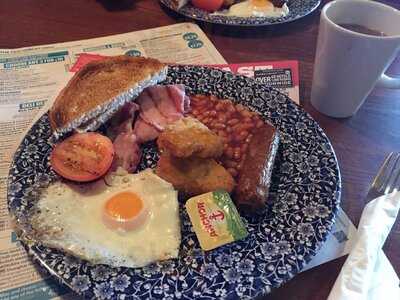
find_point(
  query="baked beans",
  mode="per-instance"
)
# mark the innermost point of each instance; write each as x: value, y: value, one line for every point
x: 234, y: 123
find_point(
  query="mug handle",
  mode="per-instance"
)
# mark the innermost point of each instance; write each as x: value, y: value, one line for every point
x: 388, y: 82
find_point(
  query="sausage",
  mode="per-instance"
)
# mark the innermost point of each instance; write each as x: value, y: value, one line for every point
x: 254, y: 178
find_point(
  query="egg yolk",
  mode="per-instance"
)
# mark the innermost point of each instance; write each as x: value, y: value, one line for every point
x: 124, y: 210
x: 259, y: 3
x: 124, y: 206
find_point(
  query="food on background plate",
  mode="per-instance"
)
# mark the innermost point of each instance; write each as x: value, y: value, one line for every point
x: 127, y: 220
x: 241, y: 8
x: 279, y: 3
x: 83, y: 156
x: 208, y: 5
x: 215, y: 219
x: 99, y: 89
x: 178, y: 4
x: 228, y: 3
x: 252, y: 187
x: 194, y: 176
x: 256, y: 8
x: 189, y: 137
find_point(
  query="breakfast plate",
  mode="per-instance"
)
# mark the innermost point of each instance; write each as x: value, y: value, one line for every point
x: 297, y: 10
x: 305, y: 193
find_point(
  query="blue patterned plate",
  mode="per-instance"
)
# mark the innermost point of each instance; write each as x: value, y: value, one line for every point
x: 282, y: 239
x: 297, y: 10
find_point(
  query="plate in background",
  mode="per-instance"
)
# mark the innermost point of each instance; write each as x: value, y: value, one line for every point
x: 297, y: 10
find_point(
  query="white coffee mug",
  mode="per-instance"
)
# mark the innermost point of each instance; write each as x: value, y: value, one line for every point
x: 349, y: 64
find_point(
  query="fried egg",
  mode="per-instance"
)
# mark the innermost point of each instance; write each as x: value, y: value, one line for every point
x: 128, y: 220
x: 258, y: 8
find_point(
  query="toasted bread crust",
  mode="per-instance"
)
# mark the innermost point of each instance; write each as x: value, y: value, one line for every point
x: 97, y: 83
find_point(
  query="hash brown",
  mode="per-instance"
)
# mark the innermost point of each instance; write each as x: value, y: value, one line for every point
x: 194, y: 176
x: 188, y: 137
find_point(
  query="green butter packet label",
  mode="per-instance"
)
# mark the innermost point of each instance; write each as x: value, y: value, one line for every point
x: 215, y: 219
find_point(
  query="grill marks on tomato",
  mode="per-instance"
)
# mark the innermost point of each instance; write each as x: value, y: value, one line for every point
x: 83, y: 156
x: 75, y: 150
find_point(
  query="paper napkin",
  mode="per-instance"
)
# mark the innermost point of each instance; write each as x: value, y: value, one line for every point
x: 367, y: 274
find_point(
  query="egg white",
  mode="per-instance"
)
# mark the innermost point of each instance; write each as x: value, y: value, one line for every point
x: 247, y: 9
x: 69, y: 217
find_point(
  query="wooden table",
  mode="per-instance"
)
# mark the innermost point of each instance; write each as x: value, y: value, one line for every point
x: 360, y: 142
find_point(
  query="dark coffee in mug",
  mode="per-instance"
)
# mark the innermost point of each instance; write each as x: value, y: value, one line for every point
x: 362, y: 29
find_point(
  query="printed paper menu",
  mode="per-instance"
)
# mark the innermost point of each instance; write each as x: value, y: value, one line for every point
x: 281, y: 75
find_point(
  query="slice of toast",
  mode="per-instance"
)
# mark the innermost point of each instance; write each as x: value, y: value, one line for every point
x: 99, y: 89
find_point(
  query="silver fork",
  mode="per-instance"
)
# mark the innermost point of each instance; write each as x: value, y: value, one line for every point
x: 388, y: 178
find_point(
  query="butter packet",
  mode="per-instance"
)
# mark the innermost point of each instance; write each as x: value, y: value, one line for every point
x: 215, y: 219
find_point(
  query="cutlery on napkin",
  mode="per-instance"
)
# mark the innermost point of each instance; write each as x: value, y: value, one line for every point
x: 367, y: 274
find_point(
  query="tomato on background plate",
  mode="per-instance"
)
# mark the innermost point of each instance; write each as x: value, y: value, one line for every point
x: 83, y: 156
x: 208, y: 5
